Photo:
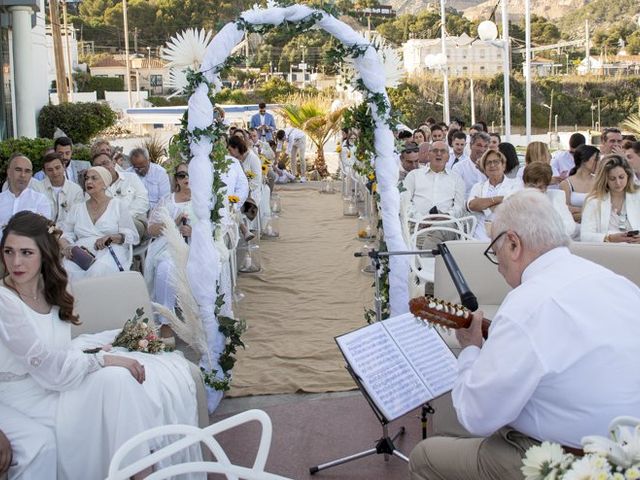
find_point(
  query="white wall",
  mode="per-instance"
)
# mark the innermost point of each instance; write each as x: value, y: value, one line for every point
x: 120, y: 100
x: 77, y: 97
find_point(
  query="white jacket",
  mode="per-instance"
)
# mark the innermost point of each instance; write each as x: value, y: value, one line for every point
x: 596, y: 214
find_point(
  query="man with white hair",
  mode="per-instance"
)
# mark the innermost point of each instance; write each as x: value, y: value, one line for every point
x: 559, y: 362
x: 19, y: 196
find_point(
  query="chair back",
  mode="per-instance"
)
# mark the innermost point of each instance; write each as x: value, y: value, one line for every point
x: 105, y: 303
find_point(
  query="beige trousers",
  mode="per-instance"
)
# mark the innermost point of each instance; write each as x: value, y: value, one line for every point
x: 462, y: 457
x: 298, y: 150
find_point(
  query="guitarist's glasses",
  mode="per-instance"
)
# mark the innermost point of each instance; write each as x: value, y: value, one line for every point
x: 490, y: 253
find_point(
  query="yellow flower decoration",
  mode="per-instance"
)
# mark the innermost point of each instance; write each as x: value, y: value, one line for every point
x: 371, y: 176
x: 374, y: 188
x: 339, y: 148
x: 233, y: 198
x: 250, y: 174
x: 265, y: 169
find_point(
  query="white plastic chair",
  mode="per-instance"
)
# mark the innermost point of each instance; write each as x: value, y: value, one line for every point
x: 186, y: 436
x: 422, y: 268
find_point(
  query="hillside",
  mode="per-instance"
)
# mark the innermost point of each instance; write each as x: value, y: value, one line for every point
x: 601, y: 13
x: 551, y: 9
x: 414, y: 6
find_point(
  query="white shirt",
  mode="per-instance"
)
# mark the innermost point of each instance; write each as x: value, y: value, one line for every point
x: 559, y: 202
x: 252, y: 163
x: 561, y: 360
x: 452, y: 159
x: 469, y: 173
x: 61, y: 199
x: 236, y: 181
x: 28, y: 200
x: 426, y: 189
x: 156, y: 181
x: 293, y: 135
x: 486, y: 190
x: 562, y: 161
x: 131, y: 192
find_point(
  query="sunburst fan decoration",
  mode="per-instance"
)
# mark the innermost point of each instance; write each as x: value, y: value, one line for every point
x: 185, y: 50
x: 393, y: 67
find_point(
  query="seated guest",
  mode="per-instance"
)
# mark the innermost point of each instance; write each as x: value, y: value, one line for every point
x: 532, y: 380
x: 539, y: 152
x: 458, y: 144
x: 435, y: 189
x: 538, y: 175
x: 153, y: 176
x: 437, y: 133
x: 250, y: 163
x: 486, y: 196
x: 74, y: 169
x: 19, y: 196
x: 419, y: 136
x: 129, y: 189
x: 27, y: 448
x: 562, y: 161
x: 469, y: 168
x: 494, y: 141
x: 612, y: 210
x: 581, y: 179
x: 89, y: 407
x: 158, y: 263
x: 282, y: 174
x: 61, y: 193
x: 101, y: 146
x: 103, y: 226
x: 409, y: 159
x: 513, y: 162
x: 632, y: 151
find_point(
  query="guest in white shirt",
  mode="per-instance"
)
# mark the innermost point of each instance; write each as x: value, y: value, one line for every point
x: 469, y: 168
x: 486, y: 196
x: 581, y: 179
x: 538, y: 175
x: 129, y: 189
x: 562, y: 160
x: 296, y: 146
x: 236, y: 181
x: 61, y: 193
x: 74, y: 169
x: 19, y: 196
x: 551, y: 369
x: 250, y: 163
x: 494, y: 141
x: 153, y: 176
x: 612, y: 210
x: 435, y: 189
x: 282, y: 174
x: 458, y: 142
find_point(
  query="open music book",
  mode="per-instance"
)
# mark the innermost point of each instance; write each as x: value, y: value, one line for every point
x: 401, y: 362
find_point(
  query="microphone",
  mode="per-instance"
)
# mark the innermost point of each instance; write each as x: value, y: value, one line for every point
x: 184, y: 222
x: 467, y: 298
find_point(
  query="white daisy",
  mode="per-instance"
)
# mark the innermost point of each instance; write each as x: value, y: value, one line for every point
x: 187, y: 49
x: 589, y: 467
x: 541, y: 462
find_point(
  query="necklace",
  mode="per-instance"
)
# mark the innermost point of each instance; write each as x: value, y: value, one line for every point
x: 26, y: 297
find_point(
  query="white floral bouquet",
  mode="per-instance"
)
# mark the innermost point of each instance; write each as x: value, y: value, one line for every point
x: 614, y: 458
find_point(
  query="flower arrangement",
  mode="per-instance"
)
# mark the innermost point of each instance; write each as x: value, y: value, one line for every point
x: 138, y: 336
x: 233, y: 199
x: 250, y: 174
x: 617, y: 458
x: 265, y: 169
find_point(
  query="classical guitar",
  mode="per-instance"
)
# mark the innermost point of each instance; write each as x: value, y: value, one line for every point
x: 445, y: 314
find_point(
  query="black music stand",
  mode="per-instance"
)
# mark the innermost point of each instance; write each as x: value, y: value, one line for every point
x: 384, y: 445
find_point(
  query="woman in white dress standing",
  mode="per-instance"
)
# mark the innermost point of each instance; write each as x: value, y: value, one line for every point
x: 97, y: 224
x: 612, y: 210
x: 91, y: 406
x: 158, y: 263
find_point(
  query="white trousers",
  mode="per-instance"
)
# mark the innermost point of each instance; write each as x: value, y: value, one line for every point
x: 164, y: 292
x: 33, y: 445
x: 298, y: 150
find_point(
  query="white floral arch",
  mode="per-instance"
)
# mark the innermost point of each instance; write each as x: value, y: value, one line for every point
x: 203, y: 264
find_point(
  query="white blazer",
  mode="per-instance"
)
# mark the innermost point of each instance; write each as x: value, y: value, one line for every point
x: 596, y: 214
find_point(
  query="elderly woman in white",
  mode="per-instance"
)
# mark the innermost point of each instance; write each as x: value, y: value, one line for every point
x: 101, y: 225
x: 486, y: 196
x: 612, y: 210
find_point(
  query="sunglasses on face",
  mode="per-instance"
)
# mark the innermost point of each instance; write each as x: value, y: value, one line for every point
x: 182, y: 175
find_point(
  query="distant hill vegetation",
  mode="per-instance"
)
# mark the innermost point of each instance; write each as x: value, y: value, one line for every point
x: 602, y: 14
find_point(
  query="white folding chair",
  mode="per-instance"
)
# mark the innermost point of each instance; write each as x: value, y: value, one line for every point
x: 184, y: 436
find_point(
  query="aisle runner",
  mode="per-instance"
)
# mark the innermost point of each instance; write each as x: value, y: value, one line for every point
x: 309, y: 290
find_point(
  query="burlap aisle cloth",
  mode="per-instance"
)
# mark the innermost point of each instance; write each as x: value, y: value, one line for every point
x: 309, y: 290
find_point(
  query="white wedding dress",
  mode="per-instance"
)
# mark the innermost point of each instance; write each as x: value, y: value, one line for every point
x: 92, y: 410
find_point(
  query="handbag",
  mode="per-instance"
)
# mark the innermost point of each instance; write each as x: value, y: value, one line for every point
x: 82, y: 257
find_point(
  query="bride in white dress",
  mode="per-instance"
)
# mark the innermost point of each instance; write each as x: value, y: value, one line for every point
x: 92, y: 402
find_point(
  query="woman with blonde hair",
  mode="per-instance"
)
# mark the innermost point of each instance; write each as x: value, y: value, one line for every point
x: 612, y: 210
x: 539, y: 152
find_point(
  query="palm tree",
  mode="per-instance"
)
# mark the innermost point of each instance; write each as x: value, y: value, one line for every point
x: 632, y: 123
x: 313, y: 114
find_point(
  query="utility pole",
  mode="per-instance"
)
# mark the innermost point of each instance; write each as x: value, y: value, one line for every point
x: 135, y: 39
x: 587, y: 46
x: 126, y: 50
x: 69, y: 62
x: 506, y: 74
x: 57, y: 51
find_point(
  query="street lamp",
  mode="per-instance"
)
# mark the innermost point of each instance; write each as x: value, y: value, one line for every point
x: 445, y: 73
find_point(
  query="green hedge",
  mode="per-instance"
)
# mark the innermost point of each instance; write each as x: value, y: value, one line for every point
x: 80, y: 121
x: 100, y: 84
x: 33, y: 148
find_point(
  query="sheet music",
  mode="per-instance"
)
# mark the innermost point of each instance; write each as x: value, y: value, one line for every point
x: 425, y: 350
x: 383, y: 370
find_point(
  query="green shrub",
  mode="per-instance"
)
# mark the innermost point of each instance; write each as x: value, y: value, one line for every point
x: 177, y: 101
x: 80, y: 121
x: 100, y: 84
x: 32, y: 148
x: 81, y: 152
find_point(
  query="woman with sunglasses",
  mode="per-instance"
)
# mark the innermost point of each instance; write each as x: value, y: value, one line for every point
x: 158, y: 262
x: 612, y: 210
x: 486, y: 196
